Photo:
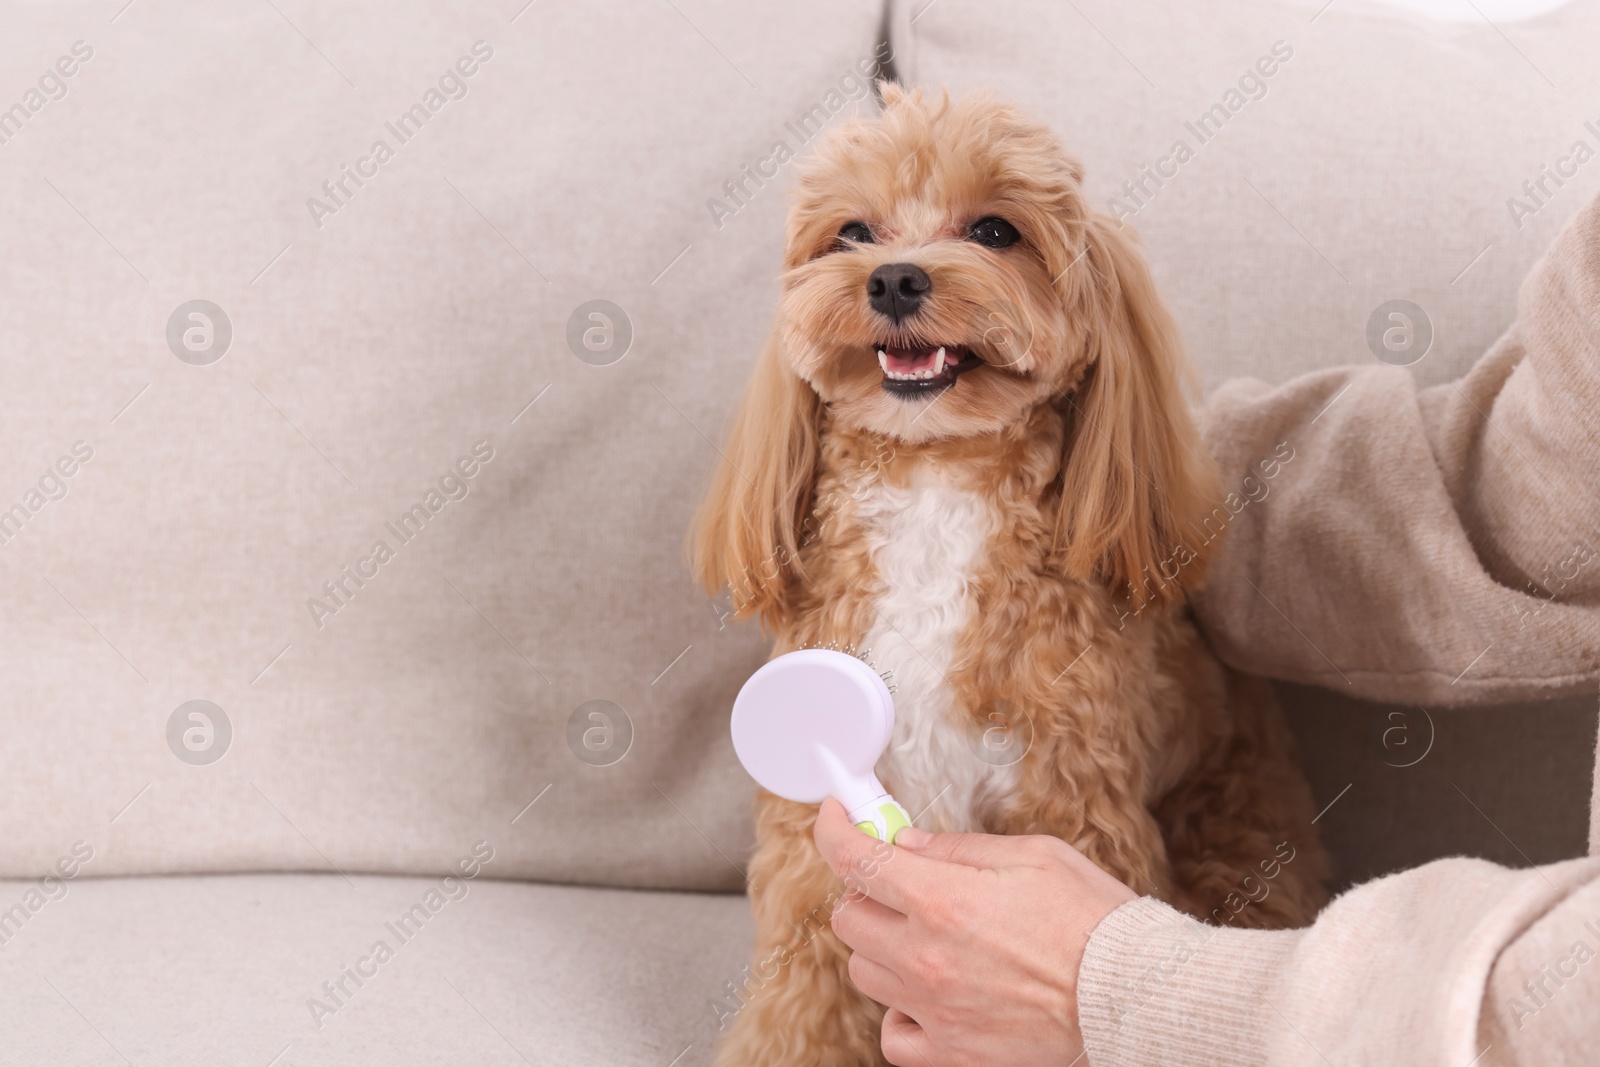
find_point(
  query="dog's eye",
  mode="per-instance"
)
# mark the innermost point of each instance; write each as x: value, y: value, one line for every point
x: 855, y: 233
x: 994, y: 232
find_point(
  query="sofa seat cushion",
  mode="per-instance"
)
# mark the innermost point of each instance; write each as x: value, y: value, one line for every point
x: 230, y: 969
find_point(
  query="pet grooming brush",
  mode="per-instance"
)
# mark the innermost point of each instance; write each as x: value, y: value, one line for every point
x: 811, y: 724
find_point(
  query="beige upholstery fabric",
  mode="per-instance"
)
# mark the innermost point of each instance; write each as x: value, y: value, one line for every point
x: 218, y: 972
x: 369, y: 354
x: 1375, y: 163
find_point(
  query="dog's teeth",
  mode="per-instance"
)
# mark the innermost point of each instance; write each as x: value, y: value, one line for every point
x: 883, y: 361
x: 938, y: 362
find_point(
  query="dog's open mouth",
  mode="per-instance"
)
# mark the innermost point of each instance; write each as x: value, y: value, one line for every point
x: 921, y: 370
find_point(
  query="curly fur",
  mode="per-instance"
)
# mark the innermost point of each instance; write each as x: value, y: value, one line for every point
x: 1017, y: 549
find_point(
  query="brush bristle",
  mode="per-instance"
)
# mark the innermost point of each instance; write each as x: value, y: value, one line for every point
x: 862, y: 654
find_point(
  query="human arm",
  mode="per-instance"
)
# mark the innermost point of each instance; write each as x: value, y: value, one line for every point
x: 1436, y: 546
x: 1016, y: 951
x: 1418, y: 968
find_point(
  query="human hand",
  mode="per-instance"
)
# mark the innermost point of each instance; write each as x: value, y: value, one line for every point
x: 972, y: 941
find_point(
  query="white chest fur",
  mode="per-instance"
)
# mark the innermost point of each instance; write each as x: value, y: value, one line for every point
x: 927, y: 540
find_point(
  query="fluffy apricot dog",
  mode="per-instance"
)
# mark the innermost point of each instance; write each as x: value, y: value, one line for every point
x: 966, y: 451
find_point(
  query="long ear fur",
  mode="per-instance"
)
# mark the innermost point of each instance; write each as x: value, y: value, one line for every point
x: 746, y: 534
x: 1136, y: 480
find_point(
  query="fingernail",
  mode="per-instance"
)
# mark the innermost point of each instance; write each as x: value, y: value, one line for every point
x: 911, y: 837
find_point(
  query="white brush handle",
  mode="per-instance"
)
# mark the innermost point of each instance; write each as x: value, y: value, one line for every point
x: 873, y: 811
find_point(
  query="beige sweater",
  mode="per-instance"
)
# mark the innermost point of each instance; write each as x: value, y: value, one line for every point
x: 1438, y: 547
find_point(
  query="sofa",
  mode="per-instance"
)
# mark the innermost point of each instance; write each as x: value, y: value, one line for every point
x: 362, y: 365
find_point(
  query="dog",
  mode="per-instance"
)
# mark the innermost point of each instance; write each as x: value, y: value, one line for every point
x: 966, y: 451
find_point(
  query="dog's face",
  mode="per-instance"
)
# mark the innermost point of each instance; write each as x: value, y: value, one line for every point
x: 925, y: 292
x: 943, y: 279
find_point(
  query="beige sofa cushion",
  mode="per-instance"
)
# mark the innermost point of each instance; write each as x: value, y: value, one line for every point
x: 229, y: 972
x: 371, y: 349
x: 1374, y: 163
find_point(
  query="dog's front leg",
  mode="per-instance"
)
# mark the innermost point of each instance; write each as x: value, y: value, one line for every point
x: 799, y: 1007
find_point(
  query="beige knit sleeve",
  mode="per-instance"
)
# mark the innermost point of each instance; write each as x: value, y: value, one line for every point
x: 1459, y: 963
x: 1440, y: 546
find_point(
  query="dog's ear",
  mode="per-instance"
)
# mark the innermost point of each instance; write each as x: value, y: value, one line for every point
x: 746, y: 536
x: 1136, y: 481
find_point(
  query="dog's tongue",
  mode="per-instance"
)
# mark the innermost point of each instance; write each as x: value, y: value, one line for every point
x: 910, y: 360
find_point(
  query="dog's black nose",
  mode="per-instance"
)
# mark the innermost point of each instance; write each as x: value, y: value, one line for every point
x: 897, y: 289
